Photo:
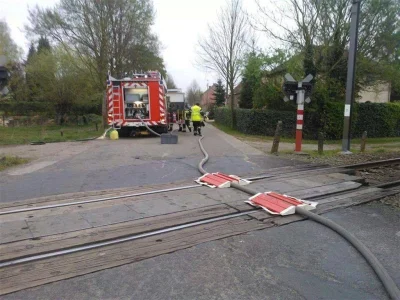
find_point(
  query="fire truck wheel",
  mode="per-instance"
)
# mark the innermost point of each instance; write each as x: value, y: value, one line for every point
x: 124, y: 132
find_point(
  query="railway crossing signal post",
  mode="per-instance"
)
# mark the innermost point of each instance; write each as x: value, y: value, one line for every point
x: 300, y: 91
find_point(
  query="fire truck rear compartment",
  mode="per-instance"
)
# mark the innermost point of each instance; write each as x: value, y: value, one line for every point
x: 136, y: 102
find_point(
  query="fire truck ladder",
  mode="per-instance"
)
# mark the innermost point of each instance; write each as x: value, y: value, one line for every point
x: 117, y: 109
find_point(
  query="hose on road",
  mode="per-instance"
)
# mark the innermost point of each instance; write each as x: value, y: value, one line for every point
x: 148, y: 128
x: 382, y: 273
x: 204, y: 160
x: 378, y: 268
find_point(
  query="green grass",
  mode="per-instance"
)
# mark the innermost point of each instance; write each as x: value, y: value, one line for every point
x: 239, y: 135
x: 50, y: 133
x: 10, y: 161
x: 383, y: 140
x: 379, y: 150
x: 250, y: 137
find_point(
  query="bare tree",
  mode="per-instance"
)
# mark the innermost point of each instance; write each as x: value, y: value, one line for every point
x: 223, y: 49
x: 319, y: 29
x: 106, y: 35
x: 193, y: 93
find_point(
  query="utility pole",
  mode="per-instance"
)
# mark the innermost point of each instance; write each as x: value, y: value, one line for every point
x: 351, y: 68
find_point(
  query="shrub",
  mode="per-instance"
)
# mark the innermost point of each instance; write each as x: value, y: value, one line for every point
x: 24, y: 108
x: 263, y: 122
x: 223, y: 116
x: 378, y: 119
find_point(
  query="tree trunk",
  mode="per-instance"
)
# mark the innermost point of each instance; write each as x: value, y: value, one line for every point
x: 233, y: 106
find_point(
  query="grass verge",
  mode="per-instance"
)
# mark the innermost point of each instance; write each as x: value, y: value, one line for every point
x: 11, y: 161
x: 50, y: 133
x: 249, y: 137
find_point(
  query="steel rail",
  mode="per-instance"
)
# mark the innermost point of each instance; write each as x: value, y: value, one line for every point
x: 20, y: 210
x: 388, y: 184
x: 97, y: 200
x: 120, y: 240
x: 372, y: 164
x: 354, y: 166
x: 117, y: 240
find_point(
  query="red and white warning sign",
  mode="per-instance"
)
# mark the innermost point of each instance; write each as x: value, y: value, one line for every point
x: 278, y: 204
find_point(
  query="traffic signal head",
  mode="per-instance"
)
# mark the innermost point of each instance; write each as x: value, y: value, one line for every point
x: 290, y: 86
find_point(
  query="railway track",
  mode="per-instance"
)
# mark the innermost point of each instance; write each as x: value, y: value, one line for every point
x: 373, y: 164
x: 117, y: 240
x: 79, y: 247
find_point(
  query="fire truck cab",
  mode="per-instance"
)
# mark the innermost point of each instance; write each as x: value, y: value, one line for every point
x: 142, y: 96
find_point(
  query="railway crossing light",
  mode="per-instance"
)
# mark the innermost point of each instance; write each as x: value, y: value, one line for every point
x: 301, y: 91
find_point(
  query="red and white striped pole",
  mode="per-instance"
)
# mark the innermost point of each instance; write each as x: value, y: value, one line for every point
x: 300, y: 119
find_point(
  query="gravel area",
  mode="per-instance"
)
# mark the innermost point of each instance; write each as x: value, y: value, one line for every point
x: 372, y: 175
x: 339, y: 160
x: 393, y: 201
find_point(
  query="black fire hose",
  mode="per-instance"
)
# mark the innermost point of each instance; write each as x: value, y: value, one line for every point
x: 204, y: 160
x: 378, y: 268
x: 148, y: 128
x: 380, y: 271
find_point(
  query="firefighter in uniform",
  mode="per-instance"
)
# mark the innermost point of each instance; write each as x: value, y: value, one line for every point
x: 187, y: 120
x: 197, y: 118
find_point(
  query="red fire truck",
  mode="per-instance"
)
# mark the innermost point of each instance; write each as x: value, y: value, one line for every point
x: 142, y: 95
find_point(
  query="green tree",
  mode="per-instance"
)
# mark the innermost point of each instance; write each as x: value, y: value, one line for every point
x: 319, y: 31
x: 29, y: 83
x: 31, y: 53
x: 219, y: 93
x: 43, y: 45
x: 251, y: 79
x: 104, y: 35
x: 17, y: 84
x: 60, y: 82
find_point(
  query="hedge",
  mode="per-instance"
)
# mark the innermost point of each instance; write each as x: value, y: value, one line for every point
x: 15, y: 108
x: 24, y: 108
x: 378, y: 119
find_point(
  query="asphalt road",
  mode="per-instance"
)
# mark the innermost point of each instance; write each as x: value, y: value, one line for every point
x: 302, y: 260
x: 104, y: 164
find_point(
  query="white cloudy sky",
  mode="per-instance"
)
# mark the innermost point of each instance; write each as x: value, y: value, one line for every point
x: 179, y: 23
